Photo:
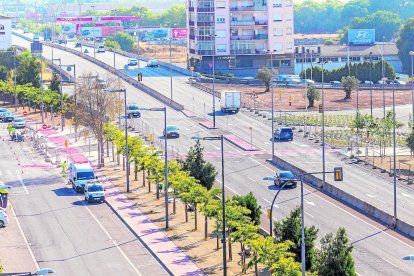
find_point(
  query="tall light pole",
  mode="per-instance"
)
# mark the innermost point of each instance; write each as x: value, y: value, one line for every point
x: 383, y: 76
x: 62, y: 120
x: 322, y: 63
x: 171, y: 72
x: 411, y: 53
x: 370, y: 78
x: 214, y: 78
x: 272, y: 101
x: 94, y: 33
x: 223, y: 197
x: 394, y: 152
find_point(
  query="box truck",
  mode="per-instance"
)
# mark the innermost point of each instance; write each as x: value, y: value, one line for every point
x: 230, y: 101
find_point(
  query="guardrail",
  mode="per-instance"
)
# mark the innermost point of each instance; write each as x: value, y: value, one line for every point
x: 153, y: 93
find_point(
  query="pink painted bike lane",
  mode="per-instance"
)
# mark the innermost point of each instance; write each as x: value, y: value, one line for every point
x: 172, y: 258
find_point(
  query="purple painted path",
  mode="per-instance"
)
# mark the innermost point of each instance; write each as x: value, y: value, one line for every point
x: 188, y: 114
x: 175, y: 260
x: 207, y: 124
x: 244, y: 145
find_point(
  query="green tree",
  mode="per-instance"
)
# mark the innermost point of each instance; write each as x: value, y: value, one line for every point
x: 55, y: 82
x: 349, y: 84
x: 410, y: 142
x: 405, y: 44
x: 8, y: 59
x: 112, y: 44
x: 28, y: 70
x: 209, y: 207
x: 197, y: 167
x: 242, y: 235
x: 3, y: 73
x: 265, y: 76
x: 335, y: 257
x: 125, y: 41
x: 250, y: 202
x: 289, y: 229
x: 176, y: 14
x: 313, y: 94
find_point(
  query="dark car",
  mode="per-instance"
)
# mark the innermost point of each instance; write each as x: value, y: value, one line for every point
x: 285, y: 177
x: 133, y: 111
x: 283, y: 133
x: 78, y: 45
x: 8, y: 117
x: 172, y: 131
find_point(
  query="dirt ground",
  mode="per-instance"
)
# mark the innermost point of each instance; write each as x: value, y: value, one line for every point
x: 202, y: 252
x: 162, y: 52
x: 334, y: 98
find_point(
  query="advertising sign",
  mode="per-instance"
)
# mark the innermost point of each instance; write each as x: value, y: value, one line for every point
x: 154, y: 34
x: 179, y: 33
x: 69, y: 28
x: 90, y: 32
x: 109, y: 30
x: 361, y: 36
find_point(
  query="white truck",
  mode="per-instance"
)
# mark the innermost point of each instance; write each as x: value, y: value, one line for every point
x: 79, y: 175
x: 230, y: 101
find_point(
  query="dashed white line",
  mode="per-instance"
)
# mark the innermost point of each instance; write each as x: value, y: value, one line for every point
x: 390, y: 262
x: 110, y: 237
x: 251, y: 179
x: 309, y: 215
x: 24, y: 186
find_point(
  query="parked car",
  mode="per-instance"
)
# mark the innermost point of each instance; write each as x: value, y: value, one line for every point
x: 8, y: 117
x: 132, y: 62
x: 133, y: 111
x: 287, y: 177
x: 3, y: 113
x: 172, y: 131
x: 152, y: 63
x: 335, y: 83
x: 19, y: 123
x: 101, y: 49
x: 283, y: 133
x: 25, y: 31
x: 94, y: 191
x: 368, y: 82
x: 4, y: 219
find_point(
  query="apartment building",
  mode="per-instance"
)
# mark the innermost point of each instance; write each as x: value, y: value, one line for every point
x: 239, y: 35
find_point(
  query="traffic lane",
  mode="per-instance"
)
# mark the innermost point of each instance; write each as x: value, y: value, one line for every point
x: 370, y: 243
x: 65, y: 236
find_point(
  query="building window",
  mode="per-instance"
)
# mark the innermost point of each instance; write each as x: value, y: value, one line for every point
x: 288, y: 46
x: 278, y: 47
x: 288, y: 17
x: 220, y: 19
x: 355, y: 59
x: 221, y: 48
x: 285, y: 63
x: 289, y: 3
x: 244, y: 63
x: 277, y: 17
x: 220, y: 4
x: 277, y: 3
x: 288, y: 31
x: 277, y: 32
x: 332, y: 59
x: 221, y: 33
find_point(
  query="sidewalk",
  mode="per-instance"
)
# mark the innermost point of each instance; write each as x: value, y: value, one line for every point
x: 172, y: 258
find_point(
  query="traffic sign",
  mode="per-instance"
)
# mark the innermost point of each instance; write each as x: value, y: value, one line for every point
x: 66, y: 143
x: 179, y: 33
x: 338, y: 174
x: 290, y: 98
x: 254, y: 95
x: 268, y: 213
x: 44, y: 126
x: 192, y: 68
x: 367, y: 140
x: 320, y: 108
x: 25, y: 113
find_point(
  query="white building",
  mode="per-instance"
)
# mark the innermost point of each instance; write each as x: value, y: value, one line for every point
x: 5, y: 32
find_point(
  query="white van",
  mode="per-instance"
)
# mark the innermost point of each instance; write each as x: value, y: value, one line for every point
x: 79, y: 175
x: 101, y: 49
x: 4, y: 219
x: 94, y: 191
x: 132, y: 62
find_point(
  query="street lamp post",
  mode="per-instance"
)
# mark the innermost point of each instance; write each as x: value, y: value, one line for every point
x: 394, y: 152
x: 214, y: 79
x: 271, y: 207
x: 322, y: 63
x: 411, y: 53
x: 370, y: 78
x: 163, y: 109
x: 272, y: 101
x: 62, y: 120
x: 223, y: 196
x: 94, y: 33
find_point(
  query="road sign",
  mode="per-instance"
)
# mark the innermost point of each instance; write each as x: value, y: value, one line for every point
x: 179, y: 33
x: 290, y: 98
x: 268, y: 213
x: 192, y: 68
x: 320, y: 108
x: 367, y: 140
x: 72, y: 120
x: 139, y: 76
x: 66, y: 143
x: 338, y: 174
x: 254, y: 96
x: 150, y: 137
x: 280, y: 93
x: 25, y: 113
x: 44, y: 126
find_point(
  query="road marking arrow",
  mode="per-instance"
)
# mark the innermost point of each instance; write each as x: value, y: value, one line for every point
x: 310, y: 203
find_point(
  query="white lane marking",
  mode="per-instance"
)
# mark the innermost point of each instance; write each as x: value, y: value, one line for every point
x: 109, y: 237
x: 21, y: 182
x: 266, y: 200
x: 300, y: 145
x: 371, y: 196
x: 274, y: 205
x: 261, y: 164
x: 390, y: 262
x: 309, y: 215
x: 407, y: 195
x: 251, y: 179
x: 9, y: 172
x: 217, y: 148
x: 24, y: 238
x: 310, y: 203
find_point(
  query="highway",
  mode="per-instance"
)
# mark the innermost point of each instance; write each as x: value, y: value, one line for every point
x: 377, y: 250
x: 64, y: 233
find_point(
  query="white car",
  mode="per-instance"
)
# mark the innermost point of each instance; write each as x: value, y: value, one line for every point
x: 4, y: 219
x: 101, y: 49
x: 94, y: 191
x: 19, y: 123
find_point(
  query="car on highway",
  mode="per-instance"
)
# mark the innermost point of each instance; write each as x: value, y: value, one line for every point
x: 132, y: 62
x: 283, y: 133
x: 8, y: 117
x: 101, y: 49
x: 4, y: 219
x: 2, y: 113
x: 133, y: 111
x: 94, y: 191
x: 152, y: 63
x: 172, y: 131
x: 78, y: 45
x: 285, y: 177
x: 19, y: 123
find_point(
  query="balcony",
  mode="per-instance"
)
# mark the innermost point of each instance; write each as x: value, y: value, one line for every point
x: 192, y: 51
x: 242, y: 37
x: 205, y: 52
x: 206, y: 9
x: 191, y: 9
x: 260, y: 22
x: 241, y: 51
x: 205, y: 38
x: 243, y: 23
x: 203, y: 24
x: 191, y: 23
x: 248, y: 8
x: 261, y: 36
x: 192, y: 37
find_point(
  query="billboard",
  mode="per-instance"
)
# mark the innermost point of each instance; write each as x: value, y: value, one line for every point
x: 154, y: 34
x: 179, y: 33
x: 90, y: 32
x: 109, y: 30
x: 361, y: 36
x: 69, y: 29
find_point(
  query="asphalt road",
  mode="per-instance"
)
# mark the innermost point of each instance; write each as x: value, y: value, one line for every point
x: 377, y: 250
x: 65, y: 233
